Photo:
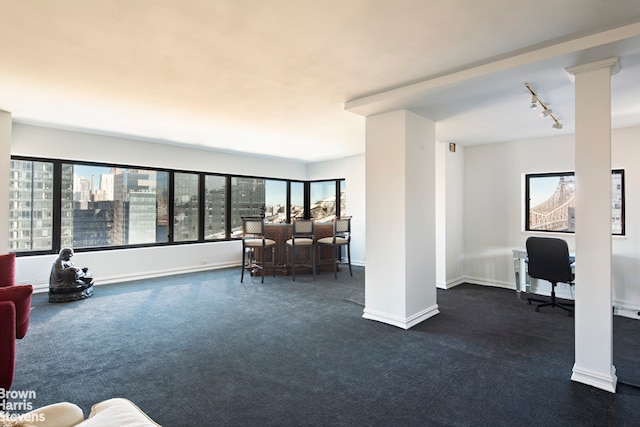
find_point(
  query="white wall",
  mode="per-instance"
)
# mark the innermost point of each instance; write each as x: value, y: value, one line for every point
x: 626, y: 251
x: 5, y: 154
x: 60, y: 144
x: 449, y: 216
x: 455, y: 216
x: 494, y: 204
x: 119, y: 265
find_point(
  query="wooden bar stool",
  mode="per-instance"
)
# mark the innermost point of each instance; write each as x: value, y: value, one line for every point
x: 303, y: 236
x: 341, y: 237
x: 253, y: 239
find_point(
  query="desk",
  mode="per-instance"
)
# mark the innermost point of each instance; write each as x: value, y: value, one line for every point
x: 524, y: 283
x: 519, y: 256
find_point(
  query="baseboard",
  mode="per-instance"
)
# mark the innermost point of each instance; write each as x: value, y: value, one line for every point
x: 561, y: 291
x: 404, y: 323
x: 450, y: 283
x: 149, y: 275
x: 622, y: 308
x: 483, y: 282
x: 599, y: 380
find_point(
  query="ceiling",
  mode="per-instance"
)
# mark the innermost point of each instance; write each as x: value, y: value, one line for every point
x: 295, y: 78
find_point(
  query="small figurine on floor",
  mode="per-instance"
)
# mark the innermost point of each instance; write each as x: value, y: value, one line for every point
x: 68, y: 282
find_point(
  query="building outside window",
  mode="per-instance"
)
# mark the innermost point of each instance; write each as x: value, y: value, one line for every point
x: 56, y: 203
x: 323, y: 201
x: 296, y: 209
x: 247, y: 199
x: 275, y: 201
x: 186, y: 207
x: 31, y: 206
x: 215, y: 199
x: 110, y: 206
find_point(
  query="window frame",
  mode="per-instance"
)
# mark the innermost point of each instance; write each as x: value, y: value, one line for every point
x: 57, y: 203
x: 527, y: 200
x: 337, y: 199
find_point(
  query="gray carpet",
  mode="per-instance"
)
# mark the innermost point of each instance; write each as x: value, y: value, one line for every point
x: 205, y: 350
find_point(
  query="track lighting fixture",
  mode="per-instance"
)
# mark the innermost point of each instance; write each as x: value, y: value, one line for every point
x: 546, y: 111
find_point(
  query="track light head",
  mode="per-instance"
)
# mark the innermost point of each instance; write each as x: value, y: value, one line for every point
x: 546, y: 111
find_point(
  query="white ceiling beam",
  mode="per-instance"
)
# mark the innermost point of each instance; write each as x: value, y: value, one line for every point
x: 401, y: 97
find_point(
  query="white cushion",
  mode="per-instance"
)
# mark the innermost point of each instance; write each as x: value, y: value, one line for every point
x: 257, y: 243
x: 329, y: 241
x: 62, y: 414
x: 301, y: 241
x: 117, y: 412
x: 113, y: 412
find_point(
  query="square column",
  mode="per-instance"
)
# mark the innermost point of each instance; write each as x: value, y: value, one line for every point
x: 5, y: 164
x: 400, y: 284
x: 593, y: 293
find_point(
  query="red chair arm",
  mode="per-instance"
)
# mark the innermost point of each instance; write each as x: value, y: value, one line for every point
x: 7, y: 343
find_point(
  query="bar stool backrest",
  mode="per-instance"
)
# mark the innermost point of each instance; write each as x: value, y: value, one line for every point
x: 303, y: 227
x: 252, y: 227
x: 342, y: 227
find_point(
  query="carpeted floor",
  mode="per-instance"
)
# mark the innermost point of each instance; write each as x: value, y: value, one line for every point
x: 203, y: 349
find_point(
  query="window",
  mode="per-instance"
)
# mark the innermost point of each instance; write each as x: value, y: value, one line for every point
x: 275, y: 201
x: 109, y: 206
x: 186, y: 205
x: 550, y: 202
x: 296, y: 209
x: 247, y: 199
x: 343, y: 197
x: 215, y: 200
x: 31, y: 206
x: 323, y: 201
x: 91, y: 206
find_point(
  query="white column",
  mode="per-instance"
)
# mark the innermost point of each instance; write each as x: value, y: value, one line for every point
x: 400, y: 284
x: 5, y: 163
x: 593, y: 291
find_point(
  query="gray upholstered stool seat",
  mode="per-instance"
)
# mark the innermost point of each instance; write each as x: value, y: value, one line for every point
x: 258, y: 243
x: 300, y: 241
x: 329, y: 241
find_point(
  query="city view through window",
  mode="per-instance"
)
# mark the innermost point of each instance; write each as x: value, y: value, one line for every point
x: 550, y: 204
x: 30, y: 206
x: 116, y: 206
x: 101, y: 206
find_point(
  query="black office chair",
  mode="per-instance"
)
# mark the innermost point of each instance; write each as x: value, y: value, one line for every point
x: 548, y: 259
